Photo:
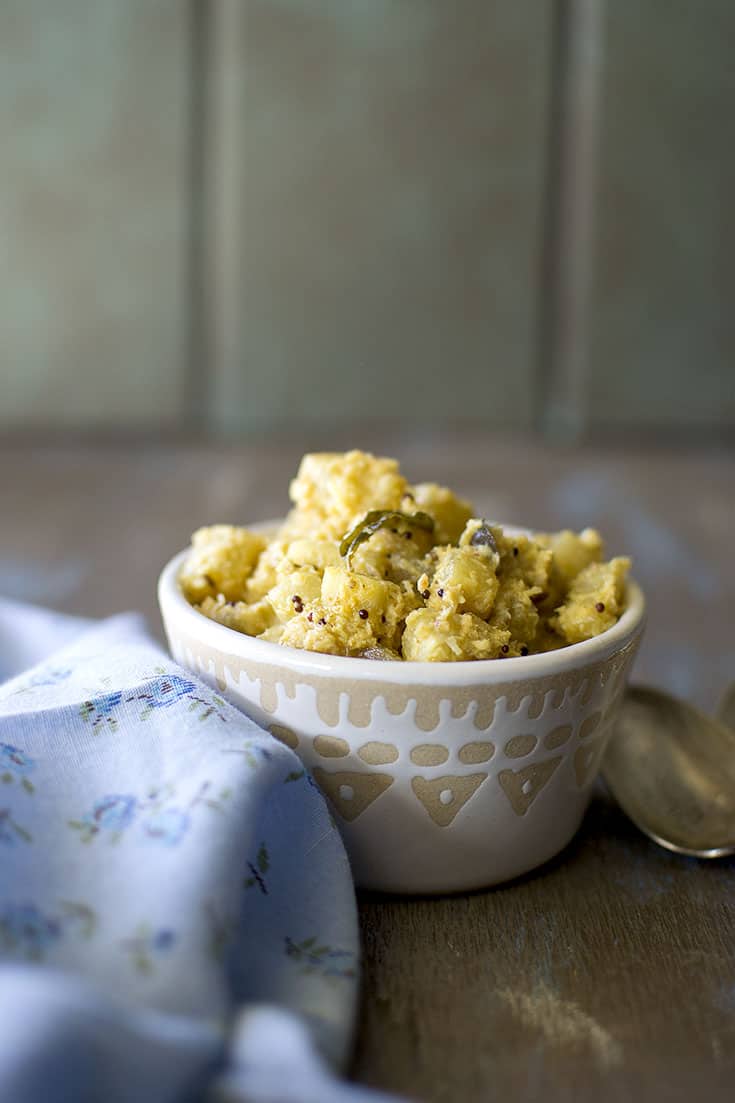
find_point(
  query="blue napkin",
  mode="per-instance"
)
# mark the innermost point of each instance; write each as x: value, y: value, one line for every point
x: 177, y: 915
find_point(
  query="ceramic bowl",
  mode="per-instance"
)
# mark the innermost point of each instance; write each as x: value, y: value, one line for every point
x: 442, y: 776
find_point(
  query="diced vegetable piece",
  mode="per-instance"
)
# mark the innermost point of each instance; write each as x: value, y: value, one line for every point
x: 450, y: 637
x: 571, y: 553
x: 221, y: 561
x: 333, y: 489
x: 595, y: 601
x: 292, y: 592
x: 464, y: 581
x: 243, y: 617
x: 312, y: 553
x: 265, y: 575
x: 515, y: 611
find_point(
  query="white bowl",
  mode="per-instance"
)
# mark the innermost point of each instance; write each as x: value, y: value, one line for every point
x: 442, y: 776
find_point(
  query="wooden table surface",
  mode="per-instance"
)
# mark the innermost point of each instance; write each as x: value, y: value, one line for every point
x: 609, y: 975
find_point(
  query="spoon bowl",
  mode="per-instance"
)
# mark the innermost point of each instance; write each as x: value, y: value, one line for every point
x: 671, y: 769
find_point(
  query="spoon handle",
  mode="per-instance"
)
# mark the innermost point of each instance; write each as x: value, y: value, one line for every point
x: 726, y: 708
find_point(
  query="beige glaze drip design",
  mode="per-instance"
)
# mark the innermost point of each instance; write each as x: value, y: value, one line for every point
x: 558, y: 737
x: 443, y: 797
x: 352, y: 792
x: 398, y: 698
x: 521, y: 787
x: 285, y: 735
x: 378, y: 754
x: 429, y: 754
x: 590, y: 724
x: 587, y: 759
x: 520, y: 746
x: 472, y: 753
x: 330, y: 746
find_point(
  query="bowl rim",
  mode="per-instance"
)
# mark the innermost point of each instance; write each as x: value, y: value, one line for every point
x: 174, y: 606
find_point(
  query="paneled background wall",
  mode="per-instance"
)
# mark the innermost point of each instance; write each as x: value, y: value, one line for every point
x: 94, y: 211
x: 242, y: 214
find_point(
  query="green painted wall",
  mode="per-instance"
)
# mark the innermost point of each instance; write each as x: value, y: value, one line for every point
x: 244, y: 214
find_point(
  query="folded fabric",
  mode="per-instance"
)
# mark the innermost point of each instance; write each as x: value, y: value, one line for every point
x: 177, y: 915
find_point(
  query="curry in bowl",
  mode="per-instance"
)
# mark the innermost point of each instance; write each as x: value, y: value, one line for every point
x: 368, y: 565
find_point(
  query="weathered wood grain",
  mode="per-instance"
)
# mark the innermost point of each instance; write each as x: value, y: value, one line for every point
x: 609, y: 975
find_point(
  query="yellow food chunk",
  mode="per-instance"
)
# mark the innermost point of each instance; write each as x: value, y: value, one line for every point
x: 450, y: 637
x: 293, y: 591
x: 273, y: 634
x: 370, y: 608
x: 571, y: 552
x: 464, y: 581
x: 395, y: 556
x: 220, y: 562
x: 468, y: 589
x: 353, y: 592
x: 265, y: 575
x: 522, y: 557
x: 306, y: 524
x: 334, y: 490
x: 312, y: 553
x: 311, y: 636
x: 250, y: 619
x: 450, y: 513
x: 595, y: 601
x: 515, y: 611
x: 327, y: 628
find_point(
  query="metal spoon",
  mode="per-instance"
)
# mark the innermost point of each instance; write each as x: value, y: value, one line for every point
x: 671, y: 769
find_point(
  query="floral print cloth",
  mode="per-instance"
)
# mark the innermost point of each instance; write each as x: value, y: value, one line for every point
x: 177, y: 915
